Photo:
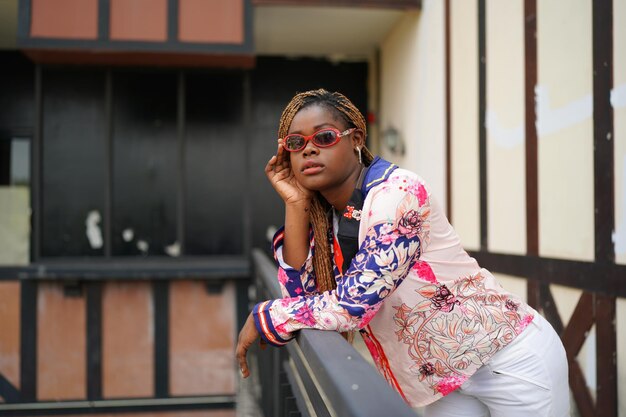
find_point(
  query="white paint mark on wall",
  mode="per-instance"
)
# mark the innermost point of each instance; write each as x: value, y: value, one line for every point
x: 506, y: 138
x: 173, y: 249
x: 549, y: 120
x: 143, y: 246
x: 128, y: 235
x: 552, y: 120
x: 618, y: 96
x: 92, y: 229
x: 619, y: 235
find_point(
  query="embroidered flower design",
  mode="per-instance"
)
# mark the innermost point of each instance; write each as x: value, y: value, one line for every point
x: 443, y: 299
x: 410, y: 224
x: 389, y: 238
x: 511, y: 305
x: 427, y: 369
x: 386, y: 228
x: 305, y: 315
x: 405, y: 332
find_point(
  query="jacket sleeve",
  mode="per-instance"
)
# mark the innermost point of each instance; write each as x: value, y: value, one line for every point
x: 397, y: 227
x: 294, y: 282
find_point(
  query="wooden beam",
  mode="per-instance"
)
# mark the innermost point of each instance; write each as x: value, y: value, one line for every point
x: 482, y: 129
x: 94, y: 340
x: 140, y: 59
x: 606, y: 357
x: 603, y: 138
x: 448, y: 33
x: 579, y: 388
x: 549, y: 307
x: 382, y: 4
x: 576, y: 274
x: 28, y: 340
x: 530, y: 117
x: 575, y: 334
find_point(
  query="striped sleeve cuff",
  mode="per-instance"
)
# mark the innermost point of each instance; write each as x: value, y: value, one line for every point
x: 263, y: 323
x: 277, y: 249
x: 277, y: 241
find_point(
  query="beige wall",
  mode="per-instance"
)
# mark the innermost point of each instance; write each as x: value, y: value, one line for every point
x: 506, y: 185
x: 464, y: 121
x: 565, y: 141
x: 412, y: 87
x: 565, y: 129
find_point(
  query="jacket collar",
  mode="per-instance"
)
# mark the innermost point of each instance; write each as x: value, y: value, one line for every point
x: 378, y: 171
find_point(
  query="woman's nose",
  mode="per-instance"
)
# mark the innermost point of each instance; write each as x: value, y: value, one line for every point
x: 310, y: 148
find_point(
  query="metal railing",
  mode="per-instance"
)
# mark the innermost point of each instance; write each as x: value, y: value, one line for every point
x: 318, y: 373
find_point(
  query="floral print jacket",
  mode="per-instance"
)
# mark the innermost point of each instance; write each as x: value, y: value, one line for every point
x: 429, y: 315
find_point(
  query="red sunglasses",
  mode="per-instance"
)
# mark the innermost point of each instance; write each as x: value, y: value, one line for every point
x: 323, y: 138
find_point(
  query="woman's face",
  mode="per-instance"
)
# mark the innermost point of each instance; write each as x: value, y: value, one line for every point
x: 322, y: 169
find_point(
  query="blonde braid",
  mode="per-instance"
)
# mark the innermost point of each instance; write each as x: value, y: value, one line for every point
x: 322, y: 256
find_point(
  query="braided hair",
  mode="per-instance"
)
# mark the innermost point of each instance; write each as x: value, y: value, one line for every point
x: 344, y: 110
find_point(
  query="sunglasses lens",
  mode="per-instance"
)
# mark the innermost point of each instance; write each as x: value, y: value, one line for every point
x: 325, y: 138
x: 294, y: 142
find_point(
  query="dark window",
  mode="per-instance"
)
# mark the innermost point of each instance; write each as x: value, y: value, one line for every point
x: 164, y: 163
x: 16, y: 91
x: 145, y: 163
x: 74, y: 162
x: 215, y: 164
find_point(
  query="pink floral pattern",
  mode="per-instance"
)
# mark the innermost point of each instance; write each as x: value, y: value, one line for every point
x: 449, y: 384
x: 440, y: 326
x: 423, y: 270
x: 442, y: 347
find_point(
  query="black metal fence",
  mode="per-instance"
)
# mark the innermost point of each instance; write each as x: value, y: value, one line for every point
x: 319, y: 373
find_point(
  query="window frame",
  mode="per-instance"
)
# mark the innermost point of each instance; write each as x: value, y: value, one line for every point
x: 109, y: 266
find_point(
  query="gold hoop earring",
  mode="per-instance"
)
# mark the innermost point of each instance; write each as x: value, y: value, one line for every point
x: 358, y: 151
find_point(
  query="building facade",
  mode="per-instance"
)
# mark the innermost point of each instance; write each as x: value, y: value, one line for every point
x: 133, y: 134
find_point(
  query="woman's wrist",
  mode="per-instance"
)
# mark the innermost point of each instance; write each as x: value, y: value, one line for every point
x: 303, y: 205
x: 296, y: 243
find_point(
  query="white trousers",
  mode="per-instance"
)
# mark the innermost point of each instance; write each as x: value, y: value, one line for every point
x: 528, y: 378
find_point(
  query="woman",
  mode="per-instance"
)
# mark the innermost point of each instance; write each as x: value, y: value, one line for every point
x: 366, y: 247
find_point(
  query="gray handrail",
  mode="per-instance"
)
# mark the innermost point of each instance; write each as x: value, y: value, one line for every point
x: 347, y: 385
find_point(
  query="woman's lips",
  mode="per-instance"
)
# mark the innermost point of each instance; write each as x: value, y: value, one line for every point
x: 312, y: 168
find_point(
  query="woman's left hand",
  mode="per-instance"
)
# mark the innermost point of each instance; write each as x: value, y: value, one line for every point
x: 247, y: 336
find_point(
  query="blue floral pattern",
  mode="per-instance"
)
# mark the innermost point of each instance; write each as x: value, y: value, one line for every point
x: 411, y: 289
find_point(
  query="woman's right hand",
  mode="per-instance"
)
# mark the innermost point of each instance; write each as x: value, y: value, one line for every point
x: 278, y: 171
